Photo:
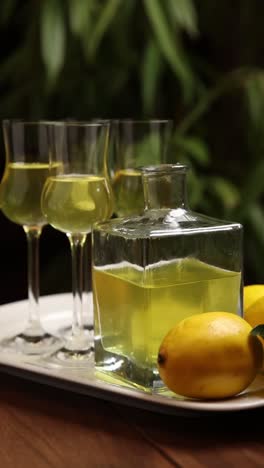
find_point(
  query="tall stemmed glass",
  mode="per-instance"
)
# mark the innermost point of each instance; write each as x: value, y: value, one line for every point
x: 78, y: 195
x: 26, y: 169
x: 135, y: 143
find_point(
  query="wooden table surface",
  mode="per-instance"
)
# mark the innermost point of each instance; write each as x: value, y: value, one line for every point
x: 42, y: 427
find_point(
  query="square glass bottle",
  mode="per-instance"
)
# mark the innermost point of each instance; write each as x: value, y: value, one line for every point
x: 151, y: 271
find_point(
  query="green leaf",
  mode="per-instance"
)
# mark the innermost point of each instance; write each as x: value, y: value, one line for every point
x: 80, y: 15
x: 254, y: 186
x: 52, y: 38
x: 254, y: 94
x: 194, y: 147
x: 184, y: 15
x: 196, y: 188
x: 225, y: 191
x: 258, y: 331
x: 226, y: 84
x: 151, y: 71
x: 170, y: 46
x: 104, y: 21
x: 256, y: 217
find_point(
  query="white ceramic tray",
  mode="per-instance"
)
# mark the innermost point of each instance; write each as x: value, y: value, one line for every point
x: 56, y: 313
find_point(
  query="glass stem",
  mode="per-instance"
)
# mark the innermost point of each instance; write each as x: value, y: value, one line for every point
x: 34, y: 327
x: 77, y: 242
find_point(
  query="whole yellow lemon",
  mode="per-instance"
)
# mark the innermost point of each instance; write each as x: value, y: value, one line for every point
x: 254, y: 305
x: 252, y: 293
x: 210, y: 356
x: 254, y: 314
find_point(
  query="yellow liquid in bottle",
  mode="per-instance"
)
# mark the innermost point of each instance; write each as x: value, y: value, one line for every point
x: 134, y: 310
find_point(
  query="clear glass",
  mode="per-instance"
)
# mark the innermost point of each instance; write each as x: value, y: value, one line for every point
x: 151, y: 271
x: 26, y: 169
x: 135, y: 143
x: 73, y: 198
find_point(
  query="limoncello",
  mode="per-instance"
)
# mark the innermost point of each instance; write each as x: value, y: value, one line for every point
x: 128, y: 191
x: 73, y: 202
x: 152, y: 270
x: 20, y: 192
x: 135, y: 308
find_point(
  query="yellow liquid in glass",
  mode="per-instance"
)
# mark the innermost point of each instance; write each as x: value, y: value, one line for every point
x: 73, y: 202
x: 128, y: 190
x: 135, y: 310
x: 20, y: 192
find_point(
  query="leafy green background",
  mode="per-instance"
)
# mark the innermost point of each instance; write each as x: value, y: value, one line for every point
x: 197, y: 62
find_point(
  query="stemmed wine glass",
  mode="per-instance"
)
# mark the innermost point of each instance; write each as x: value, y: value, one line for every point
x: 75, y: 197
x: 135, y: 143
x: 26, y: 169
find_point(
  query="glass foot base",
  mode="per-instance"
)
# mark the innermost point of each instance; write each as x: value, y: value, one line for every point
x: 72, y: 359
x: 31, y: 344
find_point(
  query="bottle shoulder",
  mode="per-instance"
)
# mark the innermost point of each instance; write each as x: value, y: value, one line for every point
x: 169, y: 222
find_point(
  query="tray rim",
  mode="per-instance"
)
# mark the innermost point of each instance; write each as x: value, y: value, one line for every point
x: 70, y: 380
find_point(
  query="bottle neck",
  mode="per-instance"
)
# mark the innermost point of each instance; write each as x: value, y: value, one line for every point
x: 165, y: 190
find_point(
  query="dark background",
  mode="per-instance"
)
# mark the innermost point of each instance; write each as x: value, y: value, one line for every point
x: 197, y: 62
